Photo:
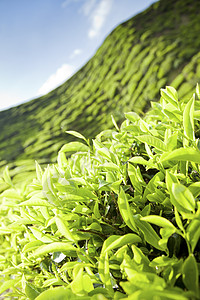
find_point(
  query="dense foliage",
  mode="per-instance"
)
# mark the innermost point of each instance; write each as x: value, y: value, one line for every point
x: 158, y: 47
x: 118, y: 219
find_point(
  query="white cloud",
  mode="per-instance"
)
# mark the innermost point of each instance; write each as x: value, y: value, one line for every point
x: 60, y: 76
x: 87, y: 7
x: 75, y: 53
x: 96, y: 11
x: 98, y: 17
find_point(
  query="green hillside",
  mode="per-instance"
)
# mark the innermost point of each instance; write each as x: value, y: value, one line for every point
x: 158, y: 47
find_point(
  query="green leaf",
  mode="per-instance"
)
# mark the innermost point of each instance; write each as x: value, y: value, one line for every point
x: 64, y: 230
x: 152, y: 141
x: 105, y: 153
x: 74, y: 147
x: 35, y: 202
x: 141, y: 280
x: 141, y: 259
x: 191, y: 274
x: 71, y: 264
x: 39, y: 172
x: 132, y: 116
x: 197, y: 90
x: 182, y: 154
x: 41, y: 236
x: 54, y: 247
x: 8, y: 284
x: 170, y: 180
x: 150, y: 235
x: 144, y: 127
x: 31, y: 291
x: 197, y: 114
x: 193, y: 233
x: 12, y: 194
x: 96, y: 210
x: 172, y: 92
x: 166, y: 233
x: 195, y: 188
x: 31, y: 246
x: 159, y: 221
x: 120, y: 241
x: 172, y: 142
x: 163, y: 261
x: 170, y: 96
x: 114, y: 122
x: 48, y: 187
x: 183, y: 197
x: 125, y: 211
x: 136, y: 178
x: 81, y: 284
x: 140, y: 160
x: 188, y: 120
x: 178, y: 220
x: 151, y: 187
x: 76, y: 134
x: 62, y: 160
x: 52, y: 281
x: 58, y: 293
x: 110, y: 166
x: 104, y: 272
x: 6, y: 176
x: 148, y: 150
x: 173, y: 116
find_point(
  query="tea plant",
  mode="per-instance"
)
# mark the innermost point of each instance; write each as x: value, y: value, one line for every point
x: 119, y: 219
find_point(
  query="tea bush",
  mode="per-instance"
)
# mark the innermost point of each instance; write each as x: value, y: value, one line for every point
x: 118, y: 219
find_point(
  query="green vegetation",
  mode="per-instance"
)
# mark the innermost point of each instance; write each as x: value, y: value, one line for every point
x: 116, y: 214
x: 158, y: 47
x: 119, y: 219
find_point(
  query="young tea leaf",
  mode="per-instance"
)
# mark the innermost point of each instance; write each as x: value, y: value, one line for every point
x: 152, y: 141
x: 172, y: 92
x: 74, y: 147
x: 76, y: 134
x: 120, y: 242
x: 38, y: 172
x: 81, y: 284
x: 6, y: 176
x: 64, y: 230
x: 182, y: 154
x: 132, y: 116
x: 126, y: 211
x: 197, y: 90
x: 191, y: 274
x: 193, y: 233
x: 54, y: 247
x: 150, y: 235
x: 183, y: 197
x: 170, y: 96
x: 58, y: 293
x: 188, y: 120
x: 159, y: 221
x: 35, y: 202
x: 41, y: 236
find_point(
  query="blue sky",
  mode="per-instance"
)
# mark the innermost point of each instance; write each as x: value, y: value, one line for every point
x: 44, y: 42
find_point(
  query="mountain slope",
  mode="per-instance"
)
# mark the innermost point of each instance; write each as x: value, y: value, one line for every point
x: 158, y: 47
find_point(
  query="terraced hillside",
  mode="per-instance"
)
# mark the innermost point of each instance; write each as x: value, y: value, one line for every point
x: 158, y: 47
